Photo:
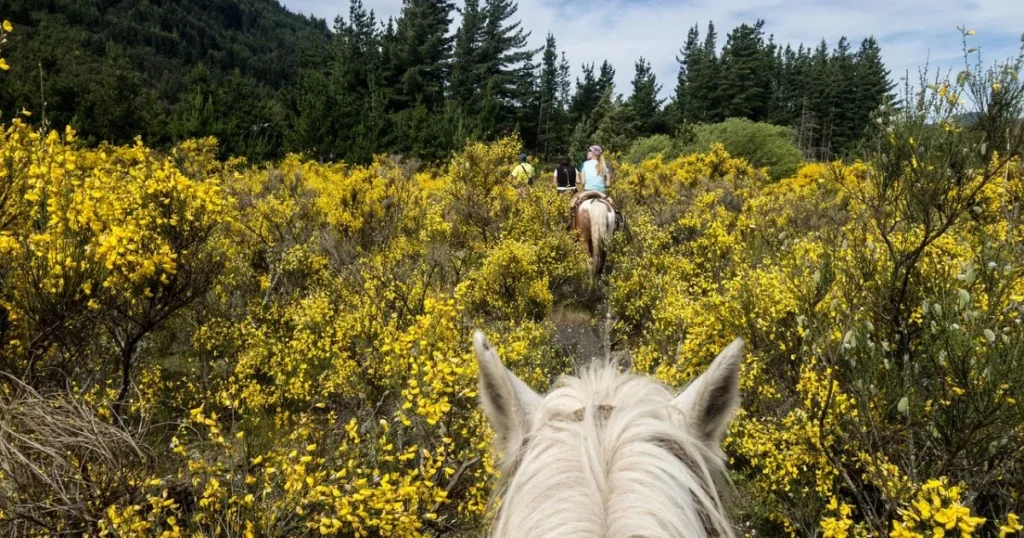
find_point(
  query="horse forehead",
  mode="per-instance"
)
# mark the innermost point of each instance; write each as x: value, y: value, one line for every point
x: 604, y: 388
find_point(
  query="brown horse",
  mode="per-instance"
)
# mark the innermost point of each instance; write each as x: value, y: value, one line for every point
x: 595, y: 223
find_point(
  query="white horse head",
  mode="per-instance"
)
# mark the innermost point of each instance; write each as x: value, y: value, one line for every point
x: 608, y: 454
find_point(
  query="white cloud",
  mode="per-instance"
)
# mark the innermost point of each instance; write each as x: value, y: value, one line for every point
x: 909, y: 31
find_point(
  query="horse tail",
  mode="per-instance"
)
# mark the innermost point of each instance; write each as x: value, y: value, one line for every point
x: 602, y: 222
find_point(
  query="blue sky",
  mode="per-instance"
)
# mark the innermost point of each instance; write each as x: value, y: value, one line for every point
x: 910, y: 32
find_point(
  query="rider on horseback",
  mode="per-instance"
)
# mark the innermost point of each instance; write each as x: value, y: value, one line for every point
x: 564, y: 178
x: 596, y: 179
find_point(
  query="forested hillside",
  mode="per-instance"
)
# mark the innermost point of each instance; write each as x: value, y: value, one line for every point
x: 164, y: 69
x: 266, y: 82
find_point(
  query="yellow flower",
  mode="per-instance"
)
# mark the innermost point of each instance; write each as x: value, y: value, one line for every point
x: 8, y: 27
x: 1011, y: 526
x: 4, y: 65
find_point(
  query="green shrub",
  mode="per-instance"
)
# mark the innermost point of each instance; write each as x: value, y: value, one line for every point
x: 651, y: 146
x: 761, y: 144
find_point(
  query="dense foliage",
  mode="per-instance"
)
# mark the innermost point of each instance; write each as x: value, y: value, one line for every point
x: 267, y: 82
x: 761, y: 144
x: 165, y: 70
x: 828, y: 96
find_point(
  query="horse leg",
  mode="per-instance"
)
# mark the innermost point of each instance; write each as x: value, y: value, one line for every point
x: 583, y: 227
x: 601, y: 230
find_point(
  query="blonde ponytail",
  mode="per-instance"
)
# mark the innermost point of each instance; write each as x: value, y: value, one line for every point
x: 602, y: 169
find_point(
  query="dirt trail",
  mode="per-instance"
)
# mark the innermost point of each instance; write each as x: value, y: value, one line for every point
x: 584, y: 334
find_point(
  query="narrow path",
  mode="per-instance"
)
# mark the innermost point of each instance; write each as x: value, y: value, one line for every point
x: 585, y: 331
x: 586, y: 335
x: 578, y: 334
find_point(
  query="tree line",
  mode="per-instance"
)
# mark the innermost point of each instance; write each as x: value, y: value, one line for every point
x: 266, y: 82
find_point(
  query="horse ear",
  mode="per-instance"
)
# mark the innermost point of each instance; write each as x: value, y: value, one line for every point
x: 711, y: 400
x: 506, y: 399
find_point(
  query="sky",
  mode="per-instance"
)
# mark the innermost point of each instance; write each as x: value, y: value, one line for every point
x: 910, y: 32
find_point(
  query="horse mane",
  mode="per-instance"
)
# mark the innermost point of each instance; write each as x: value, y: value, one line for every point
x: 609, y: 455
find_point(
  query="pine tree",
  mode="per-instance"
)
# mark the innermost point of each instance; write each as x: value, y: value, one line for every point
x: 805, y: 120
x: 688, y: 55
x: 818, y: 98
x: 421, y: 53
x: 746, y: 73
x: 644, y: 106
x: 313, y: 130
x: 774, y: 58
x: 579, y: 140
x: 590, y: 90
x: 341, y: 105
x: 506, y: 67
x: 610, y: 126
x: 564, y: 83
x: 549, y: 109
x: 524, y: 104
x: 606, y: 78
x: 359, y: 82
x: 872, y: 85
x: 786, y: 94
x: 709, y: 83
x: 586, y: 97
x: 467, y: 69
x: 564, y: 125
x: 841, y: 107
x: 703, y: 86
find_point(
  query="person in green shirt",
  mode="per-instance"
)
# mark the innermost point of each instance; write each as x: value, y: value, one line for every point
x: 523, y: 171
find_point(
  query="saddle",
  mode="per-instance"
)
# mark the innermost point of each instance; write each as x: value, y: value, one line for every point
x: 588, y: 195
x: 578, y: 200
x: 592, y: 195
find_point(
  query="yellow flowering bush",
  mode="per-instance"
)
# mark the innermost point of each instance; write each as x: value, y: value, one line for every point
x: 935, y: 511
x: 880, y: 302
x: 6, y: 28
x: 112, y: 240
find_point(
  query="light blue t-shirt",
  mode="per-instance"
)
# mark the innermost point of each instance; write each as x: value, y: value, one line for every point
x: 592, y: 181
